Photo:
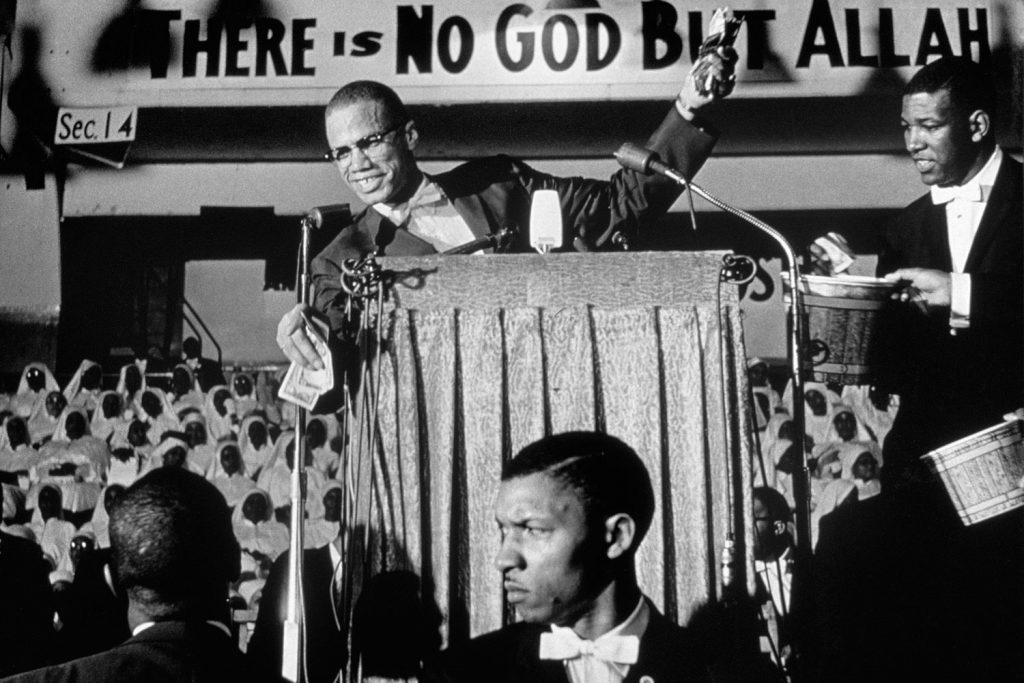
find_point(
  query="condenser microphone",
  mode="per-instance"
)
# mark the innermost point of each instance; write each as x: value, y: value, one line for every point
x: 642, y: 160
x: 545, y: 221
x: 317, y: 216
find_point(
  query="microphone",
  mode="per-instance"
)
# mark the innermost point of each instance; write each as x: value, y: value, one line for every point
x: 317, y: 216
x: 642, y: 160
x: 545, y: 221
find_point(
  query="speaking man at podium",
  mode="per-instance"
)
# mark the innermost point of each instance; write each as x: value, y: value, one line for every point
x: 373, y: 143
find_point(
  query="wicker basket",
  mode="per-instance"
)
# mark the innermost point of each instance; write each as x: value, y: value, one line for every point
x: 842, y: 315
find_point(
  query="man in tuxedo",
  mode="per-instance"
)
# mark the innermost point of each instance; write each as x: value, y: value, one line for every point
x: 956, y: 357
x: 174, y: 555
x: 572, y: 510
x: 373, y: 141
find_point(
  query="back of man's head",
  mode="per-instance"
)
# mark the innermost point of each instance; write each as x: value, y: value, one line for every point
x: 191, y: 347
x: 370, y: 91
x: 173, y: 546
x: 969, y: 86
x: 607, y: 475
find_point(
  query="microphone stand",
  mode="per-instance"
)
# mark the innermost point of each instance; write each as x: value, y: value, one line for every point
x: 801, y: 604
x: 293, y: 647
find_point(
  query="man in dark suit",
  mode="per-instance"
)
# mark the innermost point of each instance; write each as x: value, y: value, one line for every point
x: 174, y: 555
x: 373, y: 141
x: 957, y: 365
x: 955, y: 357
x: 572, y: 510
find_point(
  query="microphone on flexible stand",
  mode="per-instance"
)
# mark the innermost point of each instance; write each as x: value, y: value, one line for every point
x: 641, y: 160
x: 317, y: 216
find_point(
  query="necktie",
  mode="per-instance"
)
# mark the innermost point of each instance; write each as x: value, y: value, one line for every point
x: 428, y: 196
x: 563, y: 644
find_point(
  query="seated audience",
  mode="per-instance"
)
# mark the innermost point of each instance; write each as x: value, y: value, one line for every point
x: 229, y: 474
x: 43, y: 423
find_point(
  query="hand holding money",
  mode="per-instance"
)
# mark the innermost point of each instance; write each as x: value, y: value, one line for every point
x: 305, y: 383
x: 294, y: 341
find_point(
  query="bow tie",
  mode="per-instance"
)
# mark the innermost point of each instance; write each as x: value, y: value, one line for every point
x: 971, y: 192
x: 563, y: 643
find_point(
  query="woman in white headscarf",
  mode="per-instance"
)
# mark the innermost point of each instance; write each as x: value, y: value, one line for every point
x: 861, y: 465
x: 219, y: 411
x: 254, y: 442
x: 244, y: 394
x: 255, y: 527
x: 276, y: 476
x: 818, y: 401
x: 99, y: 525
x: 43, y: 422
x: 203, y: 451
x: 16, y: 454
x: 839, y: 492
x: 878, y: 420
x: 35, y: 383
x: 185, y: 391
x: 324, y: 523
x: 172, y: 451
x: 229, y: 473
x: 84, y: 387
x: 51, y: 530
x: 131, y: 382
x: 157, y: 411
x: 108, y: 416
x: 77, y: 456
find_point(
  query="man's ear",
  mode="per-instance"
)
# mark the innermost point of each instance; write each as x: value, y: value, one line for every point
x: 980, y: 124
x: 619, y: 532
x: 779, y: 527
x: 412, y: 135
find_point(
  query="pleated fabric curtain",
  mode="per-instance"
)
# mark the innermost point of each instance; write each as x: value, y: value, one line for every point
x: 481, y: 356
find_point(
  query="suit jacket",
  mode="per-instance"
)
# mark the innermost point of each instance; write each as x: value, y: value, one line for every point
x: 494, y: 193
x: 325, y: 643
x: 171, y: 651
x: 953, y: 385
x: 511, y: 654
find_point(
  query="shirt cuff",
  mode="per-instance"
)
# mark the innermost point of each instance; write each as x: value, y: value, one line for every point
x: 960, y: 301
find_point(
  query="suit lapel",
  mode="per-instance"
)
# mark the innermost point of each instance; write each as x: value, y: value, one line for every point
x: 1000, y: 203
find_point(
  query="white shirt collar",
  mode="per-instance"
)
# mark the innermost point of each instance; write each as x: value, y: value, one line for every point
x: 972, y: 189
x: 428, y: 193
x: 149, y: 624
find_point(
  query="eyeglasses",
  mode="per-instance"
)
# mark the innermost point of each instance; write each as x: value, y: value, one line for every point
x: 372, y: 146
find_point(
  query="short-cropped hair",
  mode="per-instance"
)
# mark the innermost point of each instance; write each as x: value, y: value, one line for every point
x: 172, y: 541
x: 607, y: 475
x: 969, y: 85
x: 395, y: 112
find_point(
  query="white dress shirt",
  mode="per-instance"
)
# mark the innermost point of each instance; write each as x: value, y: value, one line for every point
x: 429, y: 215
x: 965, y: 205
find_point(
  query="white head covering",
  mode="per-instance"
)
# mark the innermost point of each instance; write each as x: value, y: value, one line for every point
x: 861, y: 433
x: 75, y: 384
x: 24, y: 401
x: 219, y: 425
x: 837, y: 491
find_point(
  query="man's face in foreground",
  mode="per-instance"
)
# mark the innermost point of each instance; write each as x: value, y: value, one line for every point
x: 553, y: 565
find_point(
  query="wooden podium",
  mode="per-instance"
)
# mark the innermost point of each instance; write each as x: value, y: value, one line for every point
x: 481, y: 355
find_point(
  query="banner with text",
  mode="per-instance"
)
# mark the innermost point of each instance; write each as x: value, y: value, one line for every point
x: 195, y: 53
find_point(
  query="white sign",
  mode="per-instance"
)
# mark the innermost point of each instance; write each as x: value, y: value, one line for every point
x: 92, y: 125
x: 178, y: 53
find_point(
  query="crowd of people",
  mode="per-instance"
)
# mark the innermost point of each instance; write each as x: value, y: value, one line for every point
x: 844, y: 433
x: 67, y: 455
